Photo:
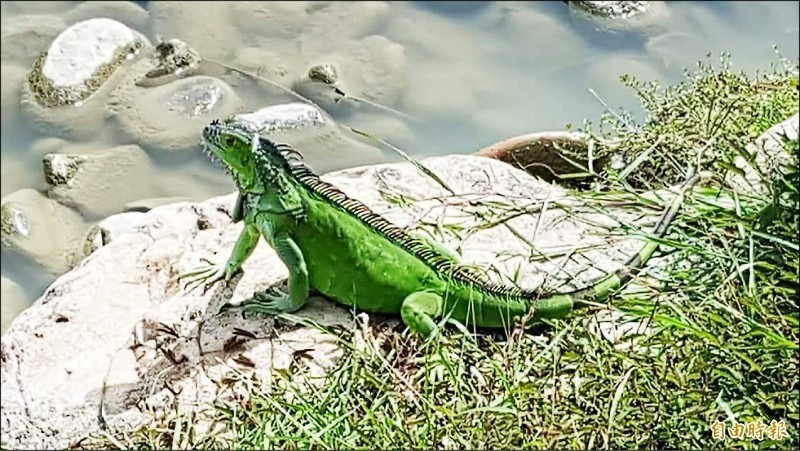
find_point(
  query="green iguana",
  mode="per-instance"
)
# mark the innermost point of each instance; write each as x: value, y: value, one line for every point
x: 337, y: 246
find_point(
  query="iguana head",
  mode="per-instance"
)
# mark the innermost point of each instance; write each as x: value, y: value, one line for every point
x: 252, y: 164
x: 229, y: 142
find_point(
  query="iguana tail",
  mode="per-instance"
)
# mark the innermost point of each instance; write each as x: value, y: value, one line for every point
x: 607, y: 285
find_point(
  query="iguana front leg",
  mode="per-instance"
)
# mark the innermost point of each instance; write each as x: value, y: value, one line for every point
x: 210, y: 274
x: 419, y: 310
x: 237, y: 214
x: 291, y: 256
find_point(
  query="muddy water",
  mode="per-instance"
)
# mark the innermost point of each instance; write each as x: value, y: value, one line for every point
x: 472, y: 73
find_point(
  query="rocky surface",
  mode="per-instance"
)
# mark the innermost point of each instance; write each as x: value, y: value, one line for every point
x: 74, y: 78
x: 118, y: 335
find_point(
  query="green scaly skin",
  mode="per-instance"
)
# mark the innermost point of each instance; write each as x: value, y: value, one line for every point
x: 335, y: 245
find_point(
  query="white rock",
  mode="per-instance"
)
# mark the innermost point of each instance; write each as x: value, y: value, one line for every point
x: 128, y: 13
x: 119, y: 312
x: 110, y: 229
x: 81, y: 67
x: 119, y: 329
x: 78, y: 52
x: 41, y: 230
x: 310, y: 130
x: 101, y: 184
x: 24, y: 37
x: 117, y: 225
x: 284, y: 118
x: 14, y: 301
x: 768, y: 156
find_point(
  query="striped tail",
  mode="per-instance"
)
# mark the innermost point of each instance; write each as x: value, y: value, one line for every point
x: 601, y: 290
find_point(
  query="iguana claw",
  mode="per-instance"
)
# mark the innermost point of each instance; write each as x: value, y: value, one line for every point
x: 210, y: 274
x: 279, y: 302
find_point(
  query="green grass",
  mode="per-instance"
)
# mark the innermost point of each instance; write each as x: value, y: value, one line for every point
x: 723, y: 321
x: 705, y: 120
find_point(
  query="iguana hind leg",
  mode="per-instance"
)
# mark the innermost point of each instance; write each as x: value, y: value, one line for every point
x: 419, y: 310
x: 210, y: 274
x: 438, y: 247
